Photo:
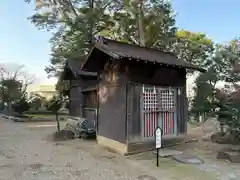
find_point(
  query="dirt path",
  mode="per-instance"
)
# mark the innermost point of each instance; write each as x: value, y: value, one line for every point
x: 27, y: 153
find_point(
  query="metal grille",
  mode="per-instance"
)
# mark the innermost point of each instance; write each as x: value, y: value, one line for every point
x: 167, y: 110
x: 167, y: 99
x: 150, y: 99
x: 150, y: 107
x: 158, y: 109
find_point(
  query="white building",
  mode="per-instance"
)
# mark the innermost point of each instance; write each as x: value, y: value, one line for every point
x: 46, y: 91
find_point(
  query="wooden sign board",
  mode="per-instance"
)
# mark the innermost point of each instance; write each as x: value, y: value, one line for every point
x: 158, y: 137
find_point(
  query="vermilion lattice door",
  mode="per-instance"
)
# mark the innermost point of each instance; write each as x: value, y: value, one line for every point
x: 158, y: 109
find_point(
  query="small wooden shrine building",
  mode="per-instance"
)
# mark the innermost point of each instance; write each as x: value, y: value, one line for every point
x: 138, y: 89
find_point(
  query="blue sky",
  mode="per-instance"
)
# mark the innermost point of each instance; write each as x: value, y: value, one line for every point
x: 22, y: 43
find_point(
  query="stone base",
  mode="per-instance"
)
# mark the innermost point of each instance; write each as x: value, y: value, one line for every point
x: 234, y: 157
x: 136, y: 147
x: 229, y: 154
x: 113, y: 145
x: 188, y: 159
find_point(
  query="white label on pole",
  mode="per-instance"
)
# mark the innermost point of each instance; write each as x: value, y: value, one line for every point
x: 158, y: 134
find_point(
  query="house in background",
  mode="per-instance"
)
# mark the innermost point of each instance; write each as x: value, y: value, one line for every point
x: 46, y: 91
x: 82, y: 90
x: 136, y: 90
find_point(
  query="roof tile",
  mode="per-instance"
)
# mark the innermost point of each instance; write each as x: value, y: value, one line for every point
x: 118, y: 49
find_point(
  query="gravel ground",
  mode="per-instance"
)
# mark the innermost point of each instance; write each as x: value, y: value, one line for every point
x: 28, y: 153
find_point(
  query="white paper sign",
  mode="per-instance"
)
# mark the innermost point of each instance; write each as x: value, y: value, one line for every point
x: 158, y: 133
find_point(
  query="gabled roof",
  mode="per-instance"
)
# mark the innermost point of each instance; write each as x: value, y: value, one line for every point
x: 72, y: 71
x: 74, y: 64
x: 120, y: 50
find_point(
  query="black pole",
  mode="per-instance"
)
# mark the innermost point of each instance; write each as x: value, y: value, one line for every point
x: 157, y: 157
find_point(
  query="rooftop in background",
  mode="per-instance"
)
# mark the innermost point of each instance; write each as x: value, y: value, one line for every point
x: 41, y: 88
x: 47, y: 91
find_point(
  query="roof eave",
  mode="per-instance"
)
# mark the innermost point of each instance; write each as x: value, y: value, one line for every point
x: 86, y: 59
x: 86, y: 73
x: 199, y: 69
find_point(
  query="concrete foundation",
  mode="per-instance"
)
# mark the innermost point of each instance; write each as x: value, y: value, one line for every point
x: 135, y: 147
x: 111, y: 144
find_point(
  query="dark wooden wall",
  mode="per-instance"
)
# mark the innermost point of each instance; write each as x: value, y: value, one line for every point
x: 90, y: 107
x: 80, y: 100
x: 154, y: 74
x: 75, y: 98
x: 149, y: 74
x: 134, y: 111
x: 182, y: 111
x: 112, y: 105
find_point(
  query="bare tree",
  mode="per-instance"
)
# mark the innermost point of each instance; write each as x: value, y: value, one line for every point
x: 14, y: 81
x: 16, y: 72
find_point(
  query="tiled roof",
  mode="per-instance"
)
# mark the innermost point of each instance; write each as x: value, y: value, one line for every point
x: 75, y: 63
x: 118, y: 49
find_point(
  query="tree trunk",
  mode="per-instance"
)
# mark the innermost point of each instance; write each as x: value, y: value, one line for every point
x: 205, y: 117
x: 90, y: 35
x: 2, y: 105
x: 58, y: 124
x: 2, y: 93
x: 140, y: 22
x: 200, y: 118
x: 9, y: 107
x: 2, y: 90
x: 221, y: 127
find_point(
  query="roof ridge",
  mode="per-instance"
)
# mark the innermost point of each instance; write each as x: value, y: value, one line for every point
x: 138, y: 46
x: 122, y: 49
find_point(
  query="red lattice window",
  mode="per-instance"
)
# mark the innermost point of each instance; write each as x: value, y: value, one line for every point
x: 158, y: 98
x: 166, y: 97
x: 150, y: 99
